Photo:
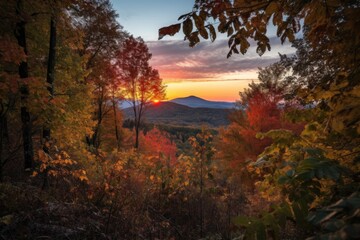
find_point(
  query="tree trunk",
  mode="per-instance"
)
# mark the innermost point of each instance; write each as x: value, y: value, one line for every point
x: 136, y: 135
x: 96, y: 136
x: 50, y: 77
x: 2, y: 136
x: 20, y: 35
x: 116, y: 127
x: 138, y: 117
x: 136, y: 124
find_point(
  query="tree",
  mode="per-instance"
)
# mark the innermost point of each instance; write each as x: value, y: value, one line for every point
x: 20, y: 34
x: 329, y: 27
x: 103, y: 35
x: 11, y: 56
x: 328, y: 70
x: 158, y: 143
x: 142, y: 84
x: 50, y: 75
x: 262, y: 107
x: 242, y: 20
x: 203, y: 153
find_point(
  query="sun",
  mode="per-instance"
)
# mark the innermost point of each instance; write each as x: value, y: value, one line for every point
x: 156, y: 101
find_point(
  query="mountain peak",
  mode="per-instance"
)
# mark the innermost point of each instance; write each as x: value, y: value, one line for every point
x: 190, y: 97
x: 196, y: 102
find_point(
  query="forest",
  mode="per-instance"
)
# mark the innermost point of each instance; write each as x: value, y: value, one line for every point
x: 287, y: 166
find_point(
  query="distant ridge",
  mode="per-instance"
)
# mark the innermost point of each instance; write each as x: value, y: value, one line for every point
x: 170, y: 113
x: 196, y: 102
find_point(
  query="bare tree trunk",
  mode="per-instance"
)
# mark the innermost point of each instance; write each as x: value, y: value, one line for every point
x: 20, y: 35
x: 116, y: 126
x: 50, y: 80
x: 2, y: 136
x: 96, y: 135
x: 136, y: 135
x: 136, y: 124
x: 50, y: 77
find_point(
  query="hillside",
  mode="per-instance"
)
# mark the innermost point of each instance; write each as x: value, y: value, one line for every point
x: 196, y: 102
x: 171, y: 113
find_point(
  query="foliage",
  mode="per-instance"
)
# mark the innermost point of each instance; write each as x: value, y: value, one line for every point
x: 265, y: 109
x: 339, y: 220
x: 155, y: 143
x: 142, y: 84
x: 58, y: 165
x: 243, y: 20
x: 302, y: 115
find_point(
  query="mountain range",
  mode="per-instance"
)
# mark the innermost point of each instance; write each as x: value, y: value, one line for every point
x: 191, y: 101
x: 172, y: 113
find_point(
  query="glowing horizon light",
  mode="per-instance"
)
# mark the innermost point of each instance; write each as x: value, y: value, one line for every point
x: 156, y: 101
x: 210, y: 90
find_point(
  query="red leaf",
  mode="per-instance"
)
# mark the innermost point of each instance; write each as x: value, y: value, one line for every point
x: 169, y: 30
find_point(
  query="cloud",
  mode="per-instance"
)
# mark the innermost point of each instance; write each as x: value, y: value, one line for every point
x: 176, y: 61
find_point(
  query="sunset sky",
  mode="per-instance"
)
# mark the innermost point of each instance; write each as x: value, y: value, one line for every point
x: 202, y: 71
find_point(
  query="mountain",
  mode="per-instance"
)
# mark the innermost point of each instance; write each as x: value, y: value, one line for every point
x: 171, y: 113
x: 196, y: 102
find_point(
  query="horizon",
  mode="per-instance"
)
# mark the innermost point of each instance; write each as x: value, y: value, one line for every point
x: 184, y: 97
x: 194, y: 96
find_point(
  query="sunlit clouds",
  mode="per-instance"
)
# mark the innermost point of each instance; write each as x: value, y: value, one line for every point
x: 204, y: 70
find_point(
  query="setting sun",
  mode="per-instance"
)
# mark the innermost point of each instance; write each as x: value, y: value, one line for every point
x: 156, y: 101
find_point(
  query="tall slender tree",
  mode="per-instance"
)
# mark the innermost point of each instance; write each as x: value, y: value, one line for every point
x: 50, y: 75
x: 102, y: 39
x: 142, y: 84
x: 20, y: 34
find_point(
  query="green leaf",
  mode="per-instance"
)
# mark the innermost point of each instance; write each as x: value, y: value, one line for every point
x: 305, y: 175
x: 260, y: 231
x: 242, y: 221
x: 290, y: 173
x: 309, y: 163
x: 283, y: 179
x: 299, y: 214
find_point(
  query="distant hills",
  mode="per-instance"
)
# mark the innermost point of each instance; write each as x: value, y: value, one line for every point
x: 191, y: 101
x: 172, y: 113
x: 196, y: 102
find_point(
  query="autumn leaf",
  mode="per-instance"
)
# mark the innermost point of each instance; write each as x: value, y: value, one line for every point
x: 169, y: 30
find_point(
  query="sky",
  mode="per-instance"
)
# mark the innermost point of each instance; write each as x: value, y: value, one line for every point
x: 203, y: 70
